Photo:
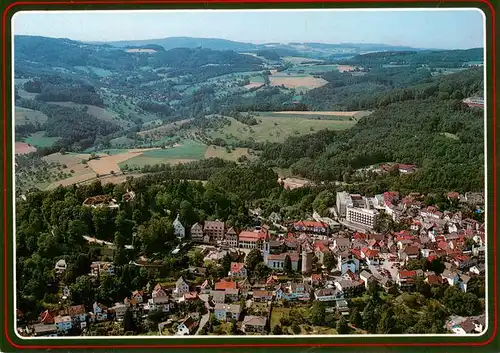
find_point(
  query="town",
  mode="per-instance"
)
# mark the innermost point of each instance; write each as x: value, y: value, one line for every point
x: 285, y: 277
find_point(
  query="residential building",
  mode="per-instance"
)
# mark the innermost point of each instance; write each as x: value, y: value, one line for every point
x: 215, y: 230
x: 451, y: 277
x: 227, y: 312
x: 187, y: 327
x: 63, y: 323
x: 181, y: 287
x: 61, y: 266
x: 47, y: 317
x: 341, y: 244
x: 232, y: 238
x: 99, y: 267
x: 179, y: 229
x: 100, y: 312
x: 78, y: 315
x: 262, y: 295
x: 406, y: 279
x: 138, y: 296
x: 311, y: 227
x: 254, y: 324
x: 238, y: 270
x: 197, y: 233
x: 218, y: 296
x: 160, y: 304
x: 45, y: 330
x: 119, y: 309
x: 158, y: 291
x: 253, y: 239
x: 277, y: 261
x: 350, y: 288
x: 232, y: 294
x: 343, y: 201
x: 328, y: 294
x: 223, y: 285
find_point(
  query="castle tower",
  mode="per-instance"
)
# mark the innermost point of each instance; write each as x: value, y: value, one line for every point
x: 266, y: 250
x: 307, y: 260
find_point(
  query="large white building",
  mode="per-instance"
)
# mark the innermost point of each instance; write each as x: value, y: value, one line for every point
x: 362, y: 216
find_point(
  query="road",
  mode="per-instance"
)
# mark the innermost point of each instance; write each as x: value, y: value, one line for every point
x: 203, y: 322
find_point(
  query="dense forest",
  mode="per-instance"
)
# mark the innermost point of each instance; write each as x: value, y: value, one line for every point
x: 432, y: 58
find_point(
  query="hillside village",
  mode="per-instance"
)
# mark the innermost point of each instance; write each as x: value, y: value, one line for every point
x: 294, y: 276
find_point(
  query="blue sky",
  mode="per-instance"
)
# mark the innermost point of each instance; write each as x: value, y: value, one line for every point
x: 449, y: 29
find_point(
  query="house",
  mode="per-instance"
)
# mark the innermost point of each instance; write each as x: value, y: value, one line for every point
x: 99, y: 267
x: 119, y: 309
x: 138, y: 296
x: 66, y: 292
x: 63, y: 323
x: 262, y: 295
x: 406, y: 279
x: 370, y: 256
x: 350, y: 288
x: 197, y: 233
x: 100, y: 312
x: 44, y: 330
x: 218, y: 296
x: 451, y: 277
x: 409, y: 253
x: 366, y: 277
x: 61, y: 266
x: 214, y: 230
x: 478, y: 269
x: 78, y: 315
x: 179, y: 230
x: 232, y: 294
x: 468, y: 326
x: 316, y: 279
x: 181, y: 287
x: 227, y: 312
x: 223, y: 285
x: 238, y: 270
x: 320, y: 250
x: 274, y: 217
x: 342, y: 307
x: 160, y: 304
x: 46, y: 317
x: 232, y: 238
x: 293, y: 291
x: 328, y: 294
x: 479, y: 252
x: 191, y: 296
x: 434, y: 280
x: 463, y: 281
x: 277, y: 261
x: 311, y: 227
x: 462, y: 262
x: 253, y: 239
x: 205, y: 287
x: 158, y: 291
x: 187, y: 327
x: 254, y: 324
x: 349, y: 263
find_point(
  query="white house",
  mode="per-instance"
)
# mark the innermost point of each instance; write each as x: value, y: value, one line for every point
x: 179, y: 230
x: 451, y: 277
x: 181, y: 287
x: 61, y: 266
x: 100, y: 312
x: 63, y: 323
x: 186, y: 327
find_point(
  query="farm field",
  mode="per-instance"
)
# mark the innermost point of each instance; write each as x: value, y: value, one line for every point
x: 297, y: 81
x: 28, y: 116
x: 23, y: 148
x: 221, y: 152
x: 186, y: 152
x: 277, y: 128
x: 26, y: 95
x: 109, y: 164
x: 299, y: 60
x: 323, y: 114
x: 39, y: 140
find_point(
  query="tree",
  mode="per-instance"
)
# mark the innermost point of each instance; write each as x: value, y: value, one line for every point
x: 355, y: 318
x: 287, y: 264
x: 262, y: 270
x: 317, y: 313
x: 342, y: 327
x: 226, y: 263
x: 234, y: 327
x: 295, y: 328
x: 277, y: 330
x: 329, y: 261
x: 386, y: 323
x: 82, y: 291
x: 129, y: 322
x: 370, y: 317
x: 196, y: 259
x: 253, y: 258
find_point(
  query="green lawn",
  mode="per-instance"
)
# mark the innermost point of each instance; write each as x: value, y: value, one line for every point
x: 121, y: 141
x: 39, y: 140
x: 272, y: 128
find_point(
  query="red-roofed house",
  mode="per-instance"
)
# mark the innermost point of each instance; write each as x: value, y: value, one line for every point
x: 46, y: 317
x: 311, y: 227
x: 406, y: 279
x: 370, y: 256
x: 277, y: 261
x: 253, y: 239
x: 223, y: 285
x: 238, y: 269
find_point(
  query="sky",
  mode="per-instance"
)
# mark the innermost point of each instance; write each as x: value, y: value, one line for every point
x: 440, y: 29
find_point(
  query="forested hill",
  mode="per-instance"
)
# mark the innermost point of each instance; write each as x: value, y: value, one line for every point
x: 429, y: 128
x: 433, y: 58
x: 39, y: 52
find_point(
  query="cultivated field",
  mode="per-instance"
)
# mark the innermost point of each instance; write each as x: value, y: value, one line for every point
x: 254, y: 85
x: 296, y: 81
x: 110, y: 163
x: 354, y: 114
x: 299, y: 60
x: 28, y: 116
x: 24, y: 148
x: 221, y: 152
